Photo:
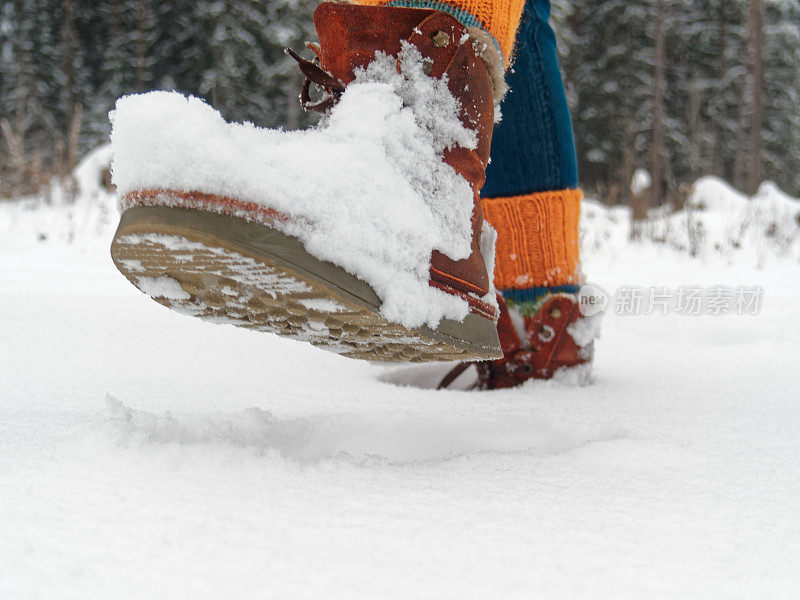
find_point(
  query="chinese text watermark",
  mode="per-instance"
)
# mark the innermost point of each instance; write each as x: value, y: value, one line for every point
x: 687, y: 300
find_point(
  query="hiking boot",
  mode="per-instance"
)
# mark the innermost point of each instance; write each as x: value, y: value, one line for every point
x: 238, y: 260
x: 557, y: 336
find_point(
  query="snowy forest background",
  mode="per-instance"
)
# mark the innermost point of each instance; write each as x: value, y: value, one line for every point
x: 681, y: 88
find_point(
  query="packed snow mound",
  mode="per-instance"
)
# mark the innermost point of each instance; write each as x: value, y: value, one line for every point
x: 238, y: 464
x: 366, y: 190
x: 720, y: 220
x: 78, y: 209
x: 718, y: 223
x: 91, y: 173
x: 640, y: 182
x: 362, y: 439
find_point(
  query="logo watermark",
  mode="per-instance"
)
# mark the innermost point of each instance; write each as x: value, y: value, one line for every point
x: 686, y: 300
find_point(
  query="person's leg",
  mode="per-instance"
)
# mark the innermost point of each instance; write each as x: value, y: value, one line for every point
x: 467, y: 44
x: 531, y: 198
x: 531, y: 194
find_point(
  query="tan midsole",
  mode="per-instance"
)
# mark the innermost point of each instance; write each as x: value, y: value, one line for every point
x: 477, y: 333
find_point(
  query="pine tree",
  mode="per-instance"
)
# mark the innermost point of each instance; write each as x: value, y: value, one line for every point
x: 755, y: 93
x: 290, y: 25
x: 116, y: 65
x: 236, y: 66
x: 180, y: 47
x: 61, y: 57
x: 613, y: 76
x: 32, y: 80
x: 782, y: 94
x: 708, y: 82
x: 247, y: 75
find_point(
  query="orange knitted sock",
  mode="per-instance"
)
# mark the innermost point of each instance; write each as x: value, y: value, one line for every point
x: 499, y: 18
x: 537, y: 250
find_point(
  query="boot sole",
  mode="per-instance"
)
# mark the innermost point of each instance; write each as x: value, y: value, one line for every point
x: 227, y: 269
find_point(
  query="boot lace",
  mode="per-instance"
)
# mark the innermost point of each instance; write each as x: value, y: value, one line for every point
x: 332, y: 87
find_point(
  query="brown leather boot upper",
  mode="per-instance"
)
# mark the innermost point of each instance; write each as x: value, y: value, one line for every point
x: 546, y: 346
x: 349, y: 37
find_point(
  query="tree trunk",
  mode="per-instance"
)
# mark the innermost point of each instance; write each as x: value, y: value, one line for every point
x: 628, y: 167
x: 68, y: 68
x: 720, y: 166
x: 292, y: 118
x: 657, y: 142
x: 755, y: 67
x: 140, y: 45
x: 695, y: 125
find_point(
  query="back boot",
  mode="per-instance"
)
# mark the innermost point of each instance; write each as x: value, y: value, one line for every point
x: 232, y: 260
x: 556, y: 337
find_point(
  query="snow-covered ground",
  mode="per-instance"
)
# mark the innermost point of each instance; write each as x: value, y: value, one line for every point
x: 144, y: 454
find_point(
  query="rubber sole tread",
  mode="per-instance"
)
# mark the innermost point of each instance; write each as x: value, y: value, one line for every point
x: 199, y: 274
